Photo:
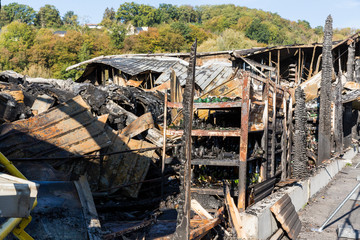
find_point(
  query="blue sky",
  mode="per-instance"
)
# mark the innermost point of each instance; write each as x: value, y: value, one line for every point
x: 345, y: 13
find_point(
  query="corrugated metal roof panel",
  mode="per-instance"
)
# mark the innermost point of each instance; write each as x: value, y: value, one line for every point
x: 134, y: 66
x: 204, y: 76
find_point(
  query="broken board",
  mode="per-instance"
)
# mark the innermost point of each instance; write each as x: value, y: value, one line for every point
x: 285, y: 213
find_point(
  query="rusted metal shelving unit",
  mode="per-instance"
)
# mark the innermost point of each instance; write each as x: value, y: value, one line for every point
x: 242, y: 133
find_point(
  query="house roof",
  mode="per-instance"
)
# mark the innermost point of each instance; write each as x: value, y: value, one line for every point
x: 60, y: 32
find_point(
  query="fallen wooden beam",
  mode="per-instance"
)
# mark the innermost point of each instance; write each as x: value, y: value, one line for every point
x: 233, y: 212
x: 139, y: 125
x: 199, y: 210
x: 42, y: 103
x: 89, y: 209
x: 277, y: 235
x: 129, y: 230
x: 153, y: 135
x: 201, y: 231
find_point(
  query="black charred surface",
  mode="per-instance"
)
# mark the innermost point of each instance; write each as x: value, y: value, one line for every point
x: 300, y: 159
x: 338, y: 125
x: 347, y: 124
x: 351, y: 62
x: 325, y: 95
x: 357, y: 71
x: 183, y: 217
x: 132, y: 99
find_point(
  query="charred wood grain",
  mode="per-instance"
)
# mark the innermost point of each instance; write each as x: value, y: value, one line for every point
x: 324, y: 146
x: 183, y: 217
x: 300, y: 158
x: 338, y: 125
x: 350, y: 62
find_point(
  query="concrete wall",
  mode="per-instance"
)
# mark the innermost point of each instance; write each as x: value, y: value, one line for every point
x: 259, y: 222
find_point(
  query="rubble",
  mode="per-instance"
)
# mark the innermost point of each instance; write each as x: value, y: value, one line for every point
x: 109, y: 153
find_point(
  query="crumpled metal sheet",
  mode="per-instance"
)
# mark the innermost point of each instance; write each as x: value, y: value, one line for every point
x: 64, y: 130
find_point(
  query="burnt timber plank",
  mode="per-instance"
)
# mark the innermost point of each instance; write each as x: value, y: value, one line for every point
x: 183, y: 217
x: 215, y: 162
x: 201, y: 132
x: 233, y: 213
x: 245, y: 110
x: 236, y: 104
x: 212, y: 191
x: 285, y: 213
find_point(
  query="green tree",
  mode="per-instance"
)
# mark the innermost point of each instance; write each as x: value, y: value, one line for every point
x: 20, y: 12
x: 108, y: 18
x: 144, y: 42
x: 42, y: 51
x: 187, y: 14
x: 170, y: 41
x: 48, y: 16
x: 145, y: 17
x: 117, y: 35
x: 258, y: 31
x: 127, y: 12
x: 166, y: 13
x: 183, y: 29
x: 70, y: 19
x: 319, y: 30
x: 304, y: 23
x: 15, y: 40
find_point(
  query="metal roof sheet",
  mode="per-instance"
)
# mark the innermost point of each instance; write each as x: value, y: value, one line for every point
x: 214, y: 74
x: 134, y: 65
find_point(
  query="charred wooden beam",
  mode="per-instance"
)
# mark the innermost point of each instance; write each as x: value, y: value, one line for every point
x: 324, y: 146
x: 245, y: 109
x: 350, y: 62
x: 183, y: 217
x: 312, y: 63
x: 347, y: 124
x: 273, y: 135
x: 290, y: 136
x: 338, y: 124
x: 357, y: 70
x: 300, y: 159
x: 163, y: 155
x: 284, y: 141
x: 264, y: 140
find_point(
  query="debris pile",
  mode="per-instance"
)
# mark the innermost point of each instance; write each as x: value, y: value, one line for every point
x: 59, y: 130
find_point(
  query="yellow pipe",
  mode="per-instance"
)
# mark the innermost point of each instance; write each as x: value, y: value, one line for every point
x: 8, y: 226
x: 10, y: 167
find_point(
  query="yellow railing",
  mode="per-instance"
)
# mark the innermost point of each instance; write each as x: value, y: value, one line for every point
x: 15, y: 225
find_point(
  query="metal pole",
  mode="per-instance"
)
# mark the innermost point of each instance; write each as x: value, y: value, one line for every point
x: 357, y: 165
x: 337, y: 209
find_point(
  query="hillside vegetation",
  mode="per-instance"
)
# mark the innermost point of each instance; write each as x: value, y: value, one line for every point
x: 28, y: 43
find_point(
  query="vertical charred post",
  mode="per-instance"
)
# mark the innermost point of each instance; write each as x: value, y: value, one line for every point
x: 300, y: 159
x: 324, y: 147
x: 183, y: 217
x: 357, y: 70
x: 350, y: 62
x: 338, y: 125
